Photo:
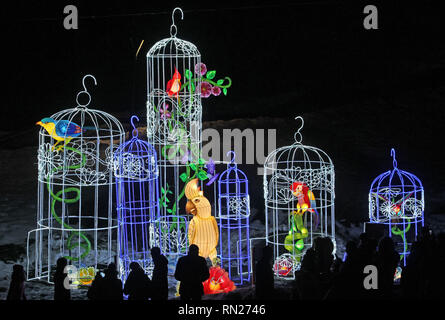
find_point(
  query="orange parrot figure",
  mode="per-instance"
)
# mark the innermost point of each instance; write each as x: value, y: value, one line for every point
x: 174, y: 84
x: 202, y: 229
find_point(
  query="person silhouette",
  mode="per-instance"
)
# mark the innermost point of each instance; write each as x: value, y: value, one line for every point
x: 60, y: 292
x: 110, y: 287
x: 137, y: 286
x: 307, y: 285
x: 159, y: 279
x: 264, y: 277
x: 93, y: 291
x: 387, y: 260
x: 17, y: 286
x: 191, y: 271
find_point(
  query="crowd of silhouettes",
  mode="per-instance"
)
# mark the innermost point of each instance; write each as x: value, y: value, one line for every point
x: 322, y: 276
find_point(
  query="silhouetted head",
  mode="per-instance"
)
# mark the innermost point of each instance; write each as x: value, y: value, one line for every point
x: 309, y: 261
x: 61, y: 264
x: 111, y: 271
x: 155, y: 252
x: 193, y: 250
x: 386, y: 245
x: 18, y: 273
x: 134, y: 266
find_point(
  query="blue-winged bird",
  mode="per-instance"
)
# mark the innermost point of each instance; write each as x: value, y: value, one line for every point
x: 61, y: 130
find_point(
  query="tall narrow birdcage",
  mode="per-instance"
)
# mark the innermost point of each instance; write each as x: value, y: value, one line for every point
x: 137, y: 195
x: 233, y: 220
x: 75, y: 214
x: 299, y: 195
x: 174, y: 129
x: 396, y: 201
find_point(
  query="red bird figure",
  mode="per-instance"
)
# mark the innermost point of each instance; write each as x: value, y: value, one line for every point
x: 174, y: 85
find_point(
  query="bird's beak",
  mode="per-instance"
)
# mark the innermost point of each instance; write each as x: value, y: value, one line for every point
x: 39, y: 123
x: 190, y: 208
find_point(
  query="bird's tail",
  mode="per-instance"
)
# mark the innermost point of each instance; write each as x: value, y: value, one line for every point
x: 86, y: 128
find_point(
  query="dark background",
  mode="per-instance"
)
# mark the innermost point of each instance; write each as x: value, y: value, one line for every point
x: 361, y: 91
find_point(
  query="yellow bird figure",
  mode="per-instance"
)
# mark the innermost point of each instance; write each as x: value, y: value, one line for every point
x: 202, y: 229
x: 62, y: 130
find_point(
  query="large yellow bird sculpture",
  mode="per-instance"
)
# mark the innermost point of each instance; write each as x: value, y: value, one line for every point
x: 202, y: 229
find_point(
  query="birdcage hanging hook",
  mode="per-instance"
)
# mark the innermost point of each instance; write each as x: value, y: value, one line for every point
x: 135, y: 130
x: 393, y: 155
x: 173, y: 28
x: 85, y: 91
x: 297, y: 136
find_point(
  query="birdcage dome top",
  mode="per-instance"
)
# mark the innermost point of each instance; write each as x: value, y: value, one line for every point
x: 232, y: 174
x: 396, y: 178
x: 135, y: 145
x: 135, y: 158
x: 173, y: 47
x: 298, y: 155
x: 94, y: 123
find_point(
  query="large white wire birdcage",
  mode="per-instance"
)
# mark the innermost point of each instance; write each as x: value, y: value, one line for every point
x: 75, y: 215
x: 173, y: 129
x: 299, y: 195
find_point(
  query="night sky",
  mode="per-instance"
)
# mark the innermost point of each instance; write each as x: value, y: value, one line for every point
x: 285, y: 59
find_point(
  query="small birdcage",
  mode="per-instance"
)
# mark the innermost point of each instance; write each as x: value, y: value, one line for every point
x: 173, y: 129
x: 75, y: 215
x: 299, y: 198
x: 137, y: 189
x: 396, y: 200
x: 233, y: 219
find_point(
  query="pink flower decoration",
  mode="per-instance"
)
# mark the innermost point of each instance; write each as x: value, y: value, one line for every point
x: 216, y: 91
x: 164, y: 112
x: 200, y: 69
x: 206, y: 89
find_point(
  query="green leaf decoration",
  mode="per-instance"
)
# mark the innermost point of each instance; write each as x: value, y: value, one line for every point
x: 201, y: 161
x: 166, y: 200
x: 220, y: 82
x: 188, y: 74
x: 169, y: 210
x: 211, y: 74
x: 193, y: 166
x: 225, y: 91
x: 202, y: 175
x: 183, y: 177
x: 164, y: 204
x: 162, y: 190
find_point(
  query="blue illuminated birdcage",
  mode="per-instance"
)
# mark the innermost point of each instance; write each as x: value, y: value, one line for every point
x: 233, y: 215
x: 136, y: 171
x: 396, y: 200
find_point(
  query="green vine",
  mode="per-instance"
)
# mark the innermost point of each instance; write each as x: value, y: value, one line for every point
x: 57, y: 197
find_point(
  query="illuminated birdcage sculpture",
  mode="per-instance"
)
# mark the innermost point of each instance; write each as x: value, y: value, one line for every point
x: 233, y: 219
x: 137, y: 195
x: 173, y: 129
x: 75, y: 215
x: 396, y: 200
x: 299, y: 197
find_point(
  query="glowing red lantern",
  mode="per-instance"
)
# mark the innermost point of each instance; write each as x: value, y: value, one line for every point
x: 218, y: 282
